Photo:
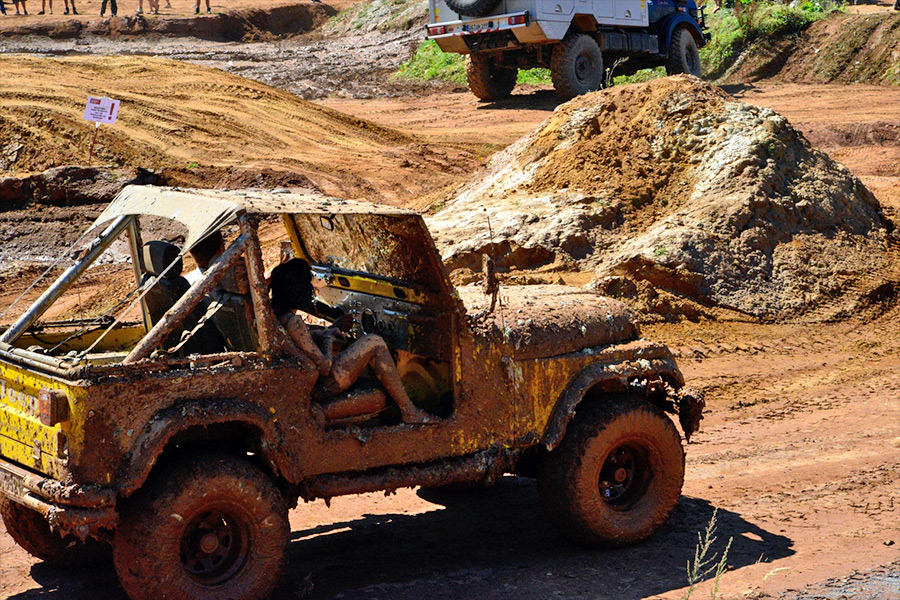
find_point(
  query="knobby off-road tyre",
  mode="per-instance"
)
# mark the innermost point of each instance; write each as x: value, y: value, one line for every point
x: 616, y: 475
x: 472, y: 8
x: 684, y: 56
x: 211, y: 527
x: 32, y: 532
x: 488, y: 80
x: 576, y: 66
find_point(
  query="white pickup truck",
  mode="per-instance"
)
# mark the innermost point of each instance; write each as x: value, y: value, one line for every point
x: 575, y: 39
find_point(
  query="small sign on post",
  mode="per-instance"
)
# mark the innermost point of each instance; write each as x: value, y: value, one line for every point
x: 100, y: 110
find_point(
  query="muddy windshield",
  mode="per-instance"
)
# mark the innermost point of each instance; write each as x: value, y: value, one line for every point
x: 390, y: 246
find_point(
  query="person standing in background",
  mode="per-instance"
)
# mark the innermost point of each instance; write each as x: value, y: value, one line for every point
x: 24, y: 11
x: 113, y: 8
x: 44, y: 7
x: 74, y: 12
x: 197, y: 8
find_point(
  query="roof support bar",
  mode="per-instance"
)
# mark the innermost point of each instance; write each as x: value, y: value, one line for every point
x: 262, y: 310
x: 65, y: 281
x: 187, y: 303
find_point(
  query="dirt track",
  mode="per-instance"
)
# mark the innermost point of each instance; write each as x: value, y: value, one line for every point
x: 800, y: 450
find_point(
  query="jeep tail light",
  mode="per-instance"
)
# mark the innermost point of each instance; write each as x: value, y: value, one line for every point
x: 53, y: 406
x: 437, y: 30
x: 517, y: 20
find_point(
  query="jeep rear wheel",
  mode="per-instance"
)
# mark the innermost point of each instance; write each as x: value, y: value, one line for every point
x: 576, y: 66
x: 684, y: 56
x: 616, y: 475
x: 31, y: 531
x: 212, y: 527
x: 487, y: 79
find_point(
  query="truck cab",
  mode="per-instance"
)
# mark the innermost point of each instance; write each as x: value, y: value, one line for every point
x: 578, y: 40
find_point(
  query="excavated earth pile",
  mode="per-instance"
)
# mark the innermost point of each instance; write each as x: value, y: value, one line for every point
x: 675, y: 187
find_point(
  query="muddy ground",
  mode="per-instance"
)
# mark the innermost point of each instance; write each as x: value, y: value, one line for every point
x: 799, y: 452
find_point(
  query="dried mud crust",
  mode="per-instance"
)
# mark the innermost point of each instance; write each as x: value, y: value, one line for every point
x: 32, y: 532
x: 579, y: 482
x: 549, y: 320
x: 169, y: 520
x: 676, y: 185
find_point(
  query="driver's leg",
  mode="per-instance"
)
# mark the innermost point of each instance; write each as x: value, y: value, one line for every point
x: 371, y: 351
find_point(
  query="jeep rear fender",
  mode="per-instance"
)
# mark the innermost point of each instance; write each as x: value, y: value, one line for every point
x: 669, y: 24
x: 169, y: 422
x: 605, y: 378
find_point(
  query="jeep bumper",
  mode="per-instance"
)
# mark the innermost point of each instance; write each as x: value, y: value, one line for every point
x: 70, y: 509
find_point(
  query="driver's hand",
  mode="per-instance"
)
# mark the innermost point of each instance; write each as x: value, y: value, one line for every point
x: 344, y: 323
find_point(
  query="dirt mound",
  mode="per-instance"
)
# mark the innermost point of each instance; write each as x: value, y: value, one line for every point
x: 675, y: 186
x: 196, y: 125
x: 842, y: 48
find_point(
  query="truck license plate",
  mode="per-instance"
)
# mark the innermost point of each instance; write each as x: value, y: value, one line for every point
x: 11, y: 485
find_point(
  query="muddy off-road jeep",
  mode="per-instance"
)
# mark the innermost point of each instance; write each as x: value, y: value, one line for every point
x: 182, y: 439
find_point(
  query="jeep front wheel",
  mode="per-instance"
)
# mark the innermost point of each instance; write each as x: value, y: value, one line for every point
x: 31, y: 531
x: 489, y: 80
x: 616, y: 475
x: 211, y: 527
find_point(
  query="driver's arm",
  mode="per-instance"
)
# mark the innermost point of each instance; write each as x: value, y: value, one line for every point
x: 301, y: 336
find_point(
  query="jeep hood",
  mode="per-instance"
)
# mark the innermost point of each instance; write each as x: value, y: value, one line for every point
x: 540, y: 321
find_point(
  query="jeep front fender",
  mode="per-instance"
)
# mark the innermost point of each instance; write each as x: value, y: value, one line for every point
x: 150, y: 443
x: 610, y: 377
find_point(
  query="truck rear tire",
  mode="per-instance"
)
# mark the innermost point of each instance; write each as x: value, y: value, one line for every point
x: 31, y: 531
x: 487, y: 79
x: 576, y: 66
x: 212, y: 526
x: 472, y: 8
x: 684, y: 56
x: 616, y: 475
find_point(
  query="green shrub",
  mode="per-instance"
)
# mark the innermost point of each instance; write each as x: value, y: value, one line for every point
x: 534, y: 76
x: 429, y: 62
x: 734, y: 28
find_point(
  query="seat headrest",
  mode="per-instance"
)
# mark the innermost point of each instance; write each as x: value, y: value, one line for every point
x: 159, y: 255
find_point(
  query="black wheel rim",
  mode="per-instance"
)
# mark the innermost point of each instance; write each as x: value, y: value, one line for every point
x: 583, y: 67
x: 214, y: 547
x: 625, y: 476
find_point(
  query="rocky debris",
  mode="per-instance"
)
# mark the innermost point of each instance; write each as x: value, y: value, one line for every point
x: 675, y: 184
x: 72, y: 185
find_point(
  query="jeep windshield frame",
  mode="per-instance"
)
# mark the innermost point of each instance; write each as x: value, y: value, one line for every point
x: 205, y: 211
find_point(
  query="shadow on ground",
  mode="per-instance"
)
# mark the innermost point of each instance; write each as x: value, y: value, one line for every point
x: 491, y: 543
x: 495, y: 543
x: 536, y: 100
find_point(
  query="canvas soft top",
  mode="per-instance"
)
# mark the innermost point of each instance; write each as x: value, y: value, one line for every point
x: 204, y: 211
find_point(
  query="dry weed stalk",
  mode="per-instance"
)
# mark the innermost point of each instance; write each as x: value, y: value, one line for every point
x: 704, y: 564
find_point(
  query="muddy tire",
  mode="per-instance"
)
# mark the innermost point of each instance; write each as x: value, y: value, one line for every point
x: 616, y: 475
x: 472, y: 8
x: 684, y: 56
x: 488, y: 80
x: 211, y: 527
x: 32, y: 532
x: 576, y: 66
